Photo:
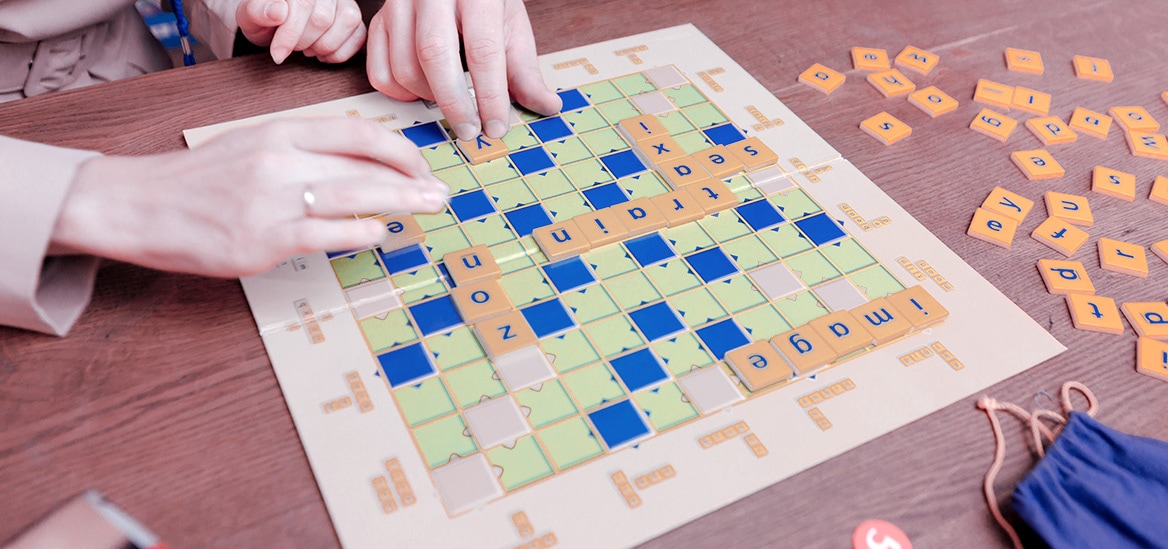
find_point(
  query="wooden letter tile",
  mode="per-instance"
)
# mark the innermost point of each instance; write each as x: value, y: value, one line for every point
x: 561, y: 240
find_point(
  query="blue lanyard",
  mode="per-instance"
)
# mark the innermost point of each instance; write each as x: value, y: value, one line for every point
x: 184, y: 32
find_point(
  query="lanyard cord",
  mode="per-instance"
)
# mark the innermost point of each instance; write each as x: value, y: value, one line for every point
x: 184, y: 32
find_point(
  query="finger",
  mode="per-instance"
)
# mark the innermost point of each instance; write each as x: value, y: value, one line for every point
x: 321, y: 18
x: 258, y: 19
x: 525, y: 80
x: 348, y: 49
x: 403, y: 51
x: 380, y: 191
x: 377, y: 60
x: 437, y: 44
x: 347, y: 22
x: 357, y: 138
x: 313, y: 235
x: 288, y: 35
x: 482, y: 33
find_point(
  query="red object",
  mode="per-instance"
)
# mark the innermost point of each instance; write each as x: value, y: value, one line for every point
x: 879, y: 534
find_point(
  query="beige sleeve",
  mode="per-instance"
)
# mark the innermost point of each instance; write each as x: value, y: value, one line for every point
x: 38, y: 293
x: 213, y: 22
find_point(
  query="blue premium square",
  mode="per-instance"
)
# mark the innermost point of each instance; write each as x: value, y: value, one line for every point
x: 723, y: 337
x: 445, y: 274
x: 533, y: 160
x: 528, y: 218
x: 569, y: 274
x: 618, y: 424
x: 820, y: 229
x: 436, y: 315
x: 760, y: 214
x: 606, y: 195
x: 548, y: 318
x: 472, y: 205
x: 573, y: 100
x: 650, y: 249
x: 404, y: 259
x: 622, y: 164
x: 712, y: 264
x: 723, y: 135
x: 425, y: 135
x: 550, y: 129
x: 657, y: 321
x: 406, y: 364
x: 639, y: 369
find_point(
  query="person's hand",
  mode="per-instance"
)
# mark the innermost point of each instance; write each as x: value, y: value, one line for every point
x: 329, y: 30
x: 236, y: 205
x: 412, y: 52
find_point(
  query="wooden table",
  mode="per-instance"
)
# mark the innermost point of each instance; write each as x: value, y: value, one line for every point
x: 163, y: 396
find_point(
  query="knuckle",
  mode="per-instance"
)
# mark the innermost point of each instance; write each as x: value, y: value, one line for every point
x: 349, y: 13
x: 433, y: 49
x: 321, y: 17
x: 483, y: 51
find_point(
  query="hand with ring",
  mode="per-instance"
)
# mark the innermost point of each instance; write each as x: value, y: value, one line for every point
x: 244, y: 201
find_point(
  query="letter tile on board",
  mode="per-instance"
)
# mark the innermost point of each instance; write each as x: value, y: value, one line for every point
x: 661, y: 149
x: 822, y: 78
x: 1024, y: 61
x: 482, y: 149
x: 1123, y: 257
x: 471, y: 265
x: 1051, y: 130
x: 481, y: 300
x: 1147, y: 145
x: 1037, y: 164
x: 401, y: 231
x: 1152, y: 358
x: 871, y: 59
x: 1095, y: 313
x: 842, y: 332
x: 1159, y: 192
x: 1148, y: 319
x: 1114, y: 183
x: 993, y: 227
x: 886, y: 128
x: 639, y: 216
x: 720, y: 162
x: 684, y: 171
x: 919, y: 307
x: 882, y: 320
x: 994, y: 94
x: 1031, y: 101
x: 759, y: 365
x: 992, y: 124
x: 504, y: 334
x: 1065, y: 277
x: 713, y: 196
x: 753, y: 153
x: 561, y: 240
x: 804, y: 349
x: 642, y: 128
x: 891, y: 83
x: 679, y: 207
x: 1060, y: 236
x: 1069, y: 207
x: 917, y: 60
x: 1093, y: 68
x: 1012, y: 205
x: 1135, y: 119
x: 1092, y: 123
x: 601, y: 227
x: 933, y: 101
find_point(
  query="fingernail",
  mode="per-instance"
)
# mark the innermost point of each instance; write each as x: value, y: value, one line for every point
x: 280, y: 54
x: 466, y: 131
x: 440, y: 186
x: 434, y: 198
x: 496, y: 129
x: 272, y: 12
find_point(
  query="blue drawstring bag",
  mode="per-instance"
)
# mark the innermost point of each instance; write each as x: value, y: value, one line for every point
x: 1094, y: 487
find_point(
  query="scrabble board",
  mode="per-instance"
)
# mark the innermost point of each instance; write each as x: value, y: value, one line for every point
x: 758, y: 306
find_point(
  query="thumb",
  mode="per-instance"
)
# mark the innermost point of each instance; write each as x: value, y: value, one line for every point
x: 259, y: 18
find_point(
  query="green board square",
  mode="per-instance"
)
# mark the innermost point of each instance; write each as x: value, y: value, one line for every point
x: 737, y: 293
x: 511, y: 194
x: 444, y: 241
x: 697, y: 307
x: 391, y: 331
x: 567, y: 206
x: 800, y: 308
x: 634, y: 84
x: 644, y: 185
x: 591, y: 303
x: 604, y: 141
x: 425, y: 401
x: 443, y: 438
x: 876, y: 282
x: 494, y: 171
x: 688, y: 238
x: 685, y: 96
x: 511, y: 256
x: 587, y: 173
x: 550, y: 183
x: 458, y: 178
x: 569, y: 351
x: 664, y: 406
x: 520, y: 137
x: 683, y: 353
x: 785, y: 240
x: 613, y: 336
x: 601, y: 92
x: 586, y: 120
x: 548, y: 405
x: 616, y: 111
x: 420, y: 284
x: 673, y: 276
x: 521, y: 465
x: 429, y: 222
x: 568, y: 151
x: 610, y: 261
x: 489, y: 230
x: 812, y: 268
x: 470, y: 384
x: 675, y: 123
x: 570, y: 443
x: 795, y: 204
x: 442, y: 156
x: 531, y: 248
x: 526, y: 286
x: 358, y: 268
x: 848, y: 255
x: 741, y: 187
x: 455, y: 348
x: 724, y: 226
x: 749, y: 252
x: 593, y: 385
x: 704, y: 115
x: 632, y: 290
x: 692, y: 142
x: 763, y: 323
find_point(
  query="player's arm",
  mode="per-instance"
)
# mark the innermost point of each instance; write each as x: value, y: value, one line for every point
x: 413, y: 51
x: 329, y: 30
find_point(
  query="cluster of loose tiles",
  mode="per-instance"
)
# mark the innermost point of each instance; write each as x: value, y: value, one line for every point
x: 520, y: 337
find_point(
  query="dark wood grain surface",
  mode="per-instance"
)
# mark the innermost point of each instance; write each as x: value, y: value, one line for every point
x: 163, y: 396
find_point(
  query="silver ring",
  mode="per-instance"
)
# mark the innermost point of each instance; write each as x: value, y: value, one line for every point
x: 309, y: 201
